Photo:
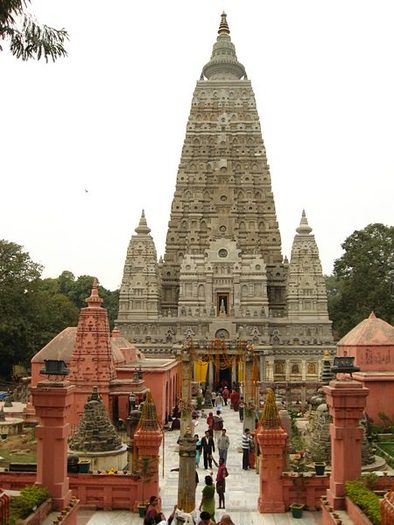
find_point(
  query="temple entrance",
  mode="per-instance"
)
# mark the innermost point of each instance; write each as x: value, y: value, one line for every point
x: 225, y: 377
x: 222, y: 304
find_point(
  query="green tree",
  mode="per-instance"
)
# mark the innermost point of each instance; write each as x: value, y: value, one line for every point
x: 26, y: 38
x: 79, y: 289
x: 32, y: 311
x: 363, y: 278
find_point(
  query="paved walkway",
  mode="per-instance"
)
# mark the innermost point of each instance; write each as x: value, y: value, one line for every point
x: 242, y: 487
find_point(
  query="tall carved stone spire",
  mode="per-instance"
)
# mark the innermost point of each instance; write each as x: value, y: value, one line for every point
x: 139, y: 291
x: 306, y: 291
x: 223, y: 275
x: 223, y: 190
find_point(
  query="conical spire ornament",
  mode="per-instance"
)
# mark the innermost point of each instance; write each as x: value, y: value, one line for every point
x: 142, y: 227
x: 224, y: 64
x: 223, y: 28
x: 2, y: 414
x: 94, y: 301
x: 95, y: 432
x: 270, y: 415
x: 148, y: 419
x: 304, y: 228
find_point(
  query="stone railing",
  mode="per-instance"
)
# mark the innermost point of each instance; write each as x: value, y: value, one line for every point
x: 106, y: 491
x: 305, y: 488
x: 387, y: 508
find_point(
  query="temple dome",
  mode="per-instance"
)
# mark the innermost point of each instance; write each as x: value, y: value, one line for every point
x: 224, y: 64
x: 371, y: 331
x: 62, y: 345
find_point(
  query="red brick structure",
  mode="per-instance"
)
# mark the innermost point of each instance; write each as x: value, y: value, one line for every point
x: 110, y: 363
x: 52, y: 401
x: 92, y: 362
x: 346, y: 402
x: 371, y: 343
x: 272, y: 440
x: 4, y: 508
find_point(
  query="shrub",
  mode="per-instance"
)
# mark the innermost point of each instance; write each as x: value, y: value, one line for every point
x: 30, y: 498
x: 365, y: 499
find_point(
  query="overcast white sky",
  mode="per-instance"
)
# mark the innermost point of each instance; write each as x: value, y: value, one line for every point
x: 111, y: 119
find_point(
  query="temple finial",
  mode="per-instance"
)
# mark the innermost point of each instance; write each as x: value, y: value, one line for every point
x: 223, y: 27
x: 94, y: 301
x: 143, y: 225
x: 304, y: 227
x: 224, y: 64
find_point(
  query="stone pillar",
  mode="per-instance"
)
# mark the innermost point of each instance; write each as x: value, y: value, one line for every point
x: 187, y: 473
x: 185, y: 403
x: 52, y: 401
x: 210, y: 375
x: 147, y: 443
x: 262, y: 368
x: 249, y: 394
x: 187, y: 443
x: 234, y: 378
x: 272, y: 440
x: 346, y: 401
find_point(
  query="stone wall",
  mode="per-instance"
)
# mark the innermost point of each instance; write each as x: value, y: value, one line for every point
x: 117, y: 491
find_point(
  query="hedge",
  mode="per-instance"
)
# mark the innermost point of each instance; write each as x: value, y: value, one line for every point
x: 365, y: 499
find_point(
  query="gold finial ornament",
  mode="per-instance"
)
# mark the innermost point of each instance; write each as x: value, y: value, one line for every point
x: 223, y: 28
x: 270, y: 415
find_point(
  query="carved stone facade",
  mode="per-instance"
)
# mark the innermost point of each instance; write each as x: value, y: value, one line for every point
x: 223, y: 274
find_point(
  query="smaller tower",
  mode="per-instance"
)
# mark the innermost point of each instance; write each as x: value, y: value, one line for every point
x: 306, y: 290
x: 92, y: 363
x: 139, y: 291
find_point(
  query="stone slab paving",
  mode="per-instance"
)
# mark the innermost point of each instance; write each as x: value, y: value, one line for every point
x: 242, y: 487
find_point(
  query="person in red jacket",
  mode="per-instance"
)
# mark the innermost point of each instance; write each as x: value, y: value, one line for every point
x: 221, y: 482
x: 226, y: 394
x: 210, y: 420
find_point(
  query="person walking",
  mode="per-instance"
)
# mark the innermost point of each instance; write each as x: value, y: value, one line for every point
x: 221, y: 482
x: 208, y: 447
x: 217, y: 424
x: 223, y: 444
x: 226, y: 394
x: 198, y: 449
x: 246, y: 445
x: 208, y: 498
x: 241, y: 408
x: 213, y: 397
x: 210, y: 423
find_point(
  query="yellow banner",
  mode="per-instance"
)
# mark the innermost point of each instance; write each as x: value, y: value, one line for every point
x: 200, y: 371
x: 241, y: 369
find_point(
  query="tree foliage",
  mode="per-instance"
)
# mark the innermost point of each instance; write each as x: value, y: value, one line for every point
x: 77, y: 290
x: 28, y: 39
x: 33, y: 310
x: 363, y: 278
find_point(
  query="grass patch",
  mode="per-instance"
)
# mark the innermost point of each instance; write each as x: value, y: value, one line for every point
x: 18, y: 449
x: 387, y: 447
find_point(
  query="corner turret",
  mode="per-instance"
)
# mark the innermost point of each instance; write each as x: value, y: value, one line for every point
x: 139, y: 291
